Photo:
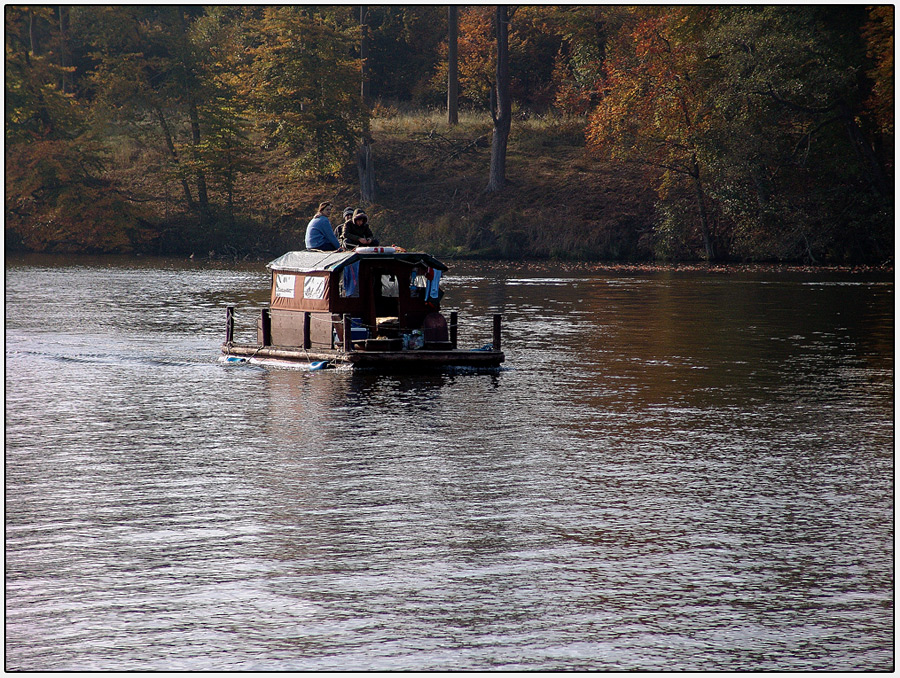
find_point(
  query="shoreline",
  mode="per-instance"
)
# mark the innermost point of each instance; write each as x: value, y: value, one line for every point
x: 722, y: 268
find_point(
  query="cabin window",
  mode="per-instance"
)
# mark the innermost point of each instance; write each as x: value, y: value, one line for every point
x: 314, y: 287
x: 389, y: 286
x: 284, y: 285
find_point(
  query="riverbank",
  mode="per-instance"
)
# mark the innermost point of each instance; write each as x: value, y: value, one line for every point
x: 559, y: 202
x: 511, y: 267
x: 430, y: 195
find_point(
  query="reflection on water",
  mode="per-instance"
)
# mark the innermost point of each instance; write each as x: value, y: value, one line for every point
x: 673, y: 472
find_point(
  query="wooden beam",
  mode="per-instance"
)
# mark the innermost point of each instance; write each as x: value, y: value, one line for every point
x: 266, y: 327
x: 348, y: 334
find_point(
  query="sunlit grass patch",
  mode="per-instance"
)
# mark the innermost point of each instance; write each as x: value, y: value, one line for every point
x: 391, y: 120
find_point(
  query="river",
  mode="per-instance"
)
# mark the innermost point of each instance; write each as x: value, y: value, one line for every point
x: 674, y: 471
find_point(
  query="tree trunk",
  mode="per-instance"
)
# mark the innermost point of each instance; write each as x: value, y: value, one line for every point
x: 32, y: 44
x: 199, y: 176
x: 708, y: 243
x: 194, y: 116
x: 501, y: 106
x: 364, y: 54
x: 231, y: 203
x: 173, y: 155
x: 864, y: 152
x: 365, y: 162
x: 452, y: 65
x: 63, y: 45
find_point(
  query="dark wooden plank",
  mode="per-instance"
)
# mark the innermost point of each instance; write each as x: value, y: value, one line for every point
x: 420, y: 357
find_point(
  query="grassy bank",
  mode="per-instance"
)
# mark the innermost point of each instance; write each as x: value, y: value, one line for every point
x: 430, y: 195
x: 557, y: 202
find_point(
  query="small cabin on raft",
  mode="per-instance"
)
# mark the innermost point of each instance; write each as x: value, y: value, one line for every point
x: 370, y: 307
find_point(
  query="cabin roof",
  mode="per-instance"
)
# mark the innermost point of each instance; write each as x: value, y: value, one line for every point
x: 307, y: 261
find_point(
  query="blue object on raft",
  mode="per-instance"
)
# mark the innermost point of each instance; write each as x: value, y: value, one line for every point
x: 318, y: 365
x: 233, y: 359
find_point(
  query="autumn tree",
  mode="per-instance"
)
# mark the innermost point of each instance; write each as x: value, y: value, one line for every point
x: 224, y: 151
x: 36, y: 105
x: 795, y: 168
x: 654, y: 109
x: 878, y: 34
x: 147, y: 65
x: 582, y: 32
x: 766, y: 131
x: 754, y: 117
x: 55, y: 195
x: 476, y: 61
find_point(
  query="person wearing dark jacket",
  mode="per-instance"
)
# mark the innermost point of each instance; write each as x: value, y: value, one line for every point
x: 356, y: 232
x: 347, y: 218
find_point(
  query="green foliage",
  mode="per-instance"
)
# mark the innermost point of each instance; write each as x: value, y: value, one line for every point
x: 787, y: 172
x: 36, y: 107
x: 303, y: 88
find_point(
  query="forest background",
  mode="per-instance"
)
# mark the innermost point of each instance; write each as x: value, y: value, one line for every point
x: 724, y: 133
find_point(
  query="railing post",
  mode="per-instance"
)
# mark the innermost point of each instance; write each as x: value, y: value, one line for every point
x: 307, y: 341
x: 454, y: 319
x: 497, y: 317
x: 229, y: 324
x: 266, y: 327
x: 348, y: 332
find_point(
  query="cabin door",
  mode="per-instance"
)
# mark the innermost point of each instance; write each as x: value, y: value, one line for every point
x: 387, y: 294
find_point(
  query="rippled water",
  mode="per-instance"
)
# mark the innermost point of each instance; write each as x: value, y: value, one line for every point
x: 674, y: 471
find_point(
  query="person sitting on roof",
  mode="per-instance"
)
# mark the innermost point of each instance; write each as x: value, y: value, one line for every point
x: 347, y: 217
x: 356, y: 232
x: 319, y: 234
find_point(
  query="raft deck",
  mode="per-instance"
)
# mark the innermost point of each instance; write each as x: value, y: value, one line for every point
x: 369, y: 353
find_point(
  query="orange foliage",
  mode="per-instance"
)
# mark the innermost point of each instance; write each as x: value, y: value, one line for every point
x: 571, y: 98
x: 652, y: 107
x: 52, y: 204
x: 476, y: 52
x: 879, y: 36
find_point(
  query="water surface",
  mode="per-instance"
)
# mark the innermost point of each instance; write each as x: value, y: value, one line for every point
x: 674, y: 471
